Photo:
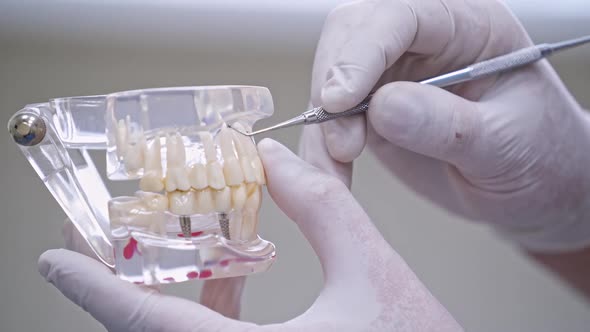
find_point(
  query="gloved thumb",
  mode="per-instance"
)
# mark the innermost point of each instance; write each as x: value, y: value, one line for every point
x: 327, y: 214
x: 429, y: 121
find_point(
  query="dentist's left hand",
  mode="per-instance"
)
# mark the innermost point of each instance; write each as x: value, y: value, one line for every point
x: 367, y: 285
x: 221, y: 295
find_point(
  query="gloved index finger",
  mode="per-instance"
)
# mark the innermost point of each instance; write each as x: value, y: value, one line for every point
x: 437, y: 35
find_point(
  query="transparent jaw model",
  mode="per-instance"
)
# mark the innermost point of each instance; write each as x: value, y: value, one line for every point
x: 195, y: 213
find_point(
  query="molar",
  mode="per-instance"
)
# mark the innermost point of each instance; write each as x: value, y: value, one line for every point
x: 182, y: 203
x: 204, y: 201
x: 153, y: 201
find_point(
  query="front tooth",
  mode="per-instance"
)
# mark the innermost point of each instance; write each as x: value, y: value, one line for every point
x: 250, y: 212
x: 253, y: 201
x: 249, y: 149
x: 204, y: 201
x: 248, y: 170
x: 222, y: 199
x: 231, y: 167
x: 182, y: 203
x: 198, y: 176
x: 176, y: 172
x: 245, y: 158
x: 238, y: 196
x: 259, y: 169
x: 152, y: 178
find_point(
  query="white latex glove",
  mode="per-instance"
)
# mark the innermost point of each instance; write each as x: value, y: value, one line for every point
x: 221, y: 295
x: 368, y: 287
x: 510, y: 150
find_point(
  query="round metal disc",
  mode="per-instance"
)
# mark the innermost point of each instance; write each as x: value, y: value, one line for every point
x: 27, y: 129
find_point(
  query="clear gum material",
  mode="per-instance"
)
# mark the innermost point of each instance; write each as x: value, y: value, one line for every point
x: 154, y: 250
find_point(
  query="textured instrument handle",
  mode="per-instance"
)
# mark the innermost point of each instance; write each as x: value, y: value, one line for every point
x: 321, y: 115
x: 492, y: 66
x: 505, y: 62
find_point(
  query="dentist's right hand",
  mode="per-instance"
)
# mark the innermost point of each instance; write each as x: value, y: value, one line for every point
x: 510, y: 150
x: 367, y: 285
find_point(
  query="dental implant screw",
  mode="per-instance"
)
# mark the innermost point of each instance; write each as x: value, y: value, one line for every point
x: 185, y: 226
x: 224, y: 224
x: 27, y: 129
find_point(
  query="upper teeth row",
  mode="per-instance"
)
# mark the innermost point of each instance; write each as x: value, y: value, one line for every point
x: 241, y: 163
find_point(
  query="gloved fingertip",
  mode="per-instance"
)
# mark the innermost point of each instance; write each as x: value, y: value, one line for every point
x: 345, y: 138
x: 272, y: 151
x: 267, y: 145
x: 46, y: 261
x: 337, y: 98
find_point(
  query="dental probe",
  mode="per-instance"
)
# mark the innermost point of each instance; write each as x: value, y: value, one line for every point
x: 478, y: 70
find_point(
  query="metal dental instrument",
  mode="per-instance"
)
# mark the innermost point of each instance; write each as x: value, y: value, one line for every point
x: 479, y: 70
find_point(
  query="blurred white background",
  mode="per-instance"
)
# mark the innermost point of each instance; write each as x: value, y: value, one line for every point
x: 66, y: 48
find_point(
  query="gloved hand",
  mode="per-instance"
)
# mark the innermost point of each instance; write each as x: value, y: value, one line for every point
x: 509, y: 150
x: 367, y: 286
x: 221, y: 295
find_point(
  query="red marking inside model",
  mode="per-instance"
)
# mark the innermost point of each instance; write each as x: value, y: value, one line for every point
x: 130, y: 249
x: 192, y: 234
x: 192, y: 275
x: 225, y: 262
x: 169, y: 279
x: 206, y: 274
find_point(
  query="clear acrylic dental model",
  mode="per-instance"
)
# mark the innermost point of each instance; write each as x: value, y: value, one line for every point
x: 195, y: 214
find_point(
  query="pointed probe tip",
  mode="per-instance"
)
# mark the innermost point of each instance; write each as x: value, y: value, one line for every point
x: 239, y: 131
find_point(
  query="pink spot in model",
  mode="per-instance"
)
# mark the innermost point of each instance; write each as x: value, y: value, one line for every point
x: 206, y: 274
x: 130, y: 249
x: 225, y: 262
x: 169, y: 279
x: 192, y: 275
x: 192, y: 234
